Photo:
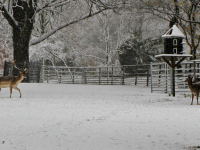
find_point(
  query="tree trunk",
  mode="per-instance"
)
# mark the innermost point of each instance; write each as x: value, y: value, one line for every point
x: 21, y: 50
x: 23, y: 13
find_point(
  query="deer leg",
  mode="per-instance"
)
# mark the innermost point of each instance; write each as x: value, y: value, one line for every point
x: 10, y: 91
x: 197, y: 98
x: 192, y: 99
x: 16, y: 88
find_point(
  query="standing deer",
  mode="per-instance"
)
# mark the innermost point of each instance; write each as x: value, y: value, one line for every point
x: 12, y: 81
x: 196, y: 80
x: 194, y: 88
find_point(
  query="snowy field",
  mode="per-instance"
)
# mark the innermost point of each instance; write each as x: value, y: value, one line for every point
x: 96, y: 117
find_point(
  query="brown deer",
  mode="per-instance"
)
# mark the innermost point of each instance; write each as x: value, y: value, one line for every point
x: 12, y: 81
x: 194, y: 88
x: 196, y: 80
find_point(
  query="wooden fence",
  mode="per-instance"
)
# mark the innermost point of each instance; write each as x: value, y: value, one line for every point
x: 110, y: 75
x: 34, y: 72
x: 158, y: 75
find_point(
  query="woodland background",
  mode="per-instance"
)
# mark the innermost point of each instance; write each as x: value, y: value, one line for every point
x: 127, y: 33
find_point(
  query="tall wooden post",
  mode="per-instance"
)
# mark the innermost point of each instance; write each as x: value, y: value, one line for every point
x: 99, y: 76
x: 151, y: 77
x: 170, y: 59
x: 173, y: 75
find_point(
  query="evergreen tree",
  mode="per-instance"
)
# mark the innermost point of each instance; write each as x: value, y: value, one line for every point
x: 134, y: 51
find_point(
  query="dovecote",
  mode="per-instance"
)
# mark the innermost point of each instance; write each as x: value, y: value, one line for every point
x: 173, y: 41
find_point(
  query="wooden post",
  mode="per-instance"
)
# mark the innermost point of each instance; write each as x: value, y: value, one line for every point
x: 136, y: 75
x: 122, y: 75
x: 43, y: 67
x: 173, y: 75
x: 107, y: 74
x: 124, y: 70
x: 73, y: 76
x: 60, y: 79
x: 166, y: 77
x: 194, y: 67
x: 73, y: 79
x: 151, y: 78
x: 147, y: 78
x: 112, y: 76
x: 99, y: 76
x: 48, y: 75
x: 85, y: 75
x: 159, y: 77
x: 39, y: 67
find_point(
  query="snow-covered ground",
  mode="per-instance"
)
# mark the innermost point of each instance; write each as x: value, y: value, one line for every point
x: 96, y: 117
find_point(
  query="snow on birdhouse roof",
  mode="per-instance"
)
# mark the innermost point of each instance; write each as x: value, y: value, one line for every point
x: 173, y: 32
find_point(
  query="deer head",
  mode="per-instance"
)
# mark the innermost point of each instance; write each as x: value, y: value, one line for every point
x: 22, y: 71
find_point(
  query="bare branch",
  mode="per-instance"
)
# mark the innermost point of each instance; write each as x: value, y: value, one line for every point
x: 8, y: 16
x: 62, y: 61
x: 45, y: 36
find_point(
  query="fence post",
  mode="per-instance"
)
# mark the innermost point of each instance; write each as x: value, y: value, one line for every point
x: 42, y: 71
x: 171, y: 80
x: 60, y: 79
x: 85, y: 75
x: 112, y: 76
x: 151, y: 77
x: 48, y: 75
x: 159, y: 74
x: 122, y: 75
x: 166, y: 76
x: 147, y: 78
x: 136, y: 75
x: 41, y: 80
x: 194, y: 68
x: 107, y: 74
x: 73, y: 78
x: 99, y: 76
x: 39, y: 68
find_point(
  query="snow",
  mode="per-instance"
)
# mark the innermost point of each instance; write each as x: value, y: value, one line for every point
x: 96, y: 117
x: 173, y: 32
x: 173, y: 55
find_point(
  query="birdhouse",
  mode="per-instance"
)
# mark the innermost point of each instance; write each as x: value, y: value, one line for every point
x: 173, y: 41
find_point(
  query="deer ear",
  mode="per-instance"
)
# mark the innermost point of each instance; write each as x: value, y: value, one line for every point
x: 25, y: 70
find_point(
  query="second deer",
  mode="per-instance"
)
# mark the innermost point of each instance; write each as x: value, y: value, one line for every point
x: 194, y: 88
x: 12, y: 81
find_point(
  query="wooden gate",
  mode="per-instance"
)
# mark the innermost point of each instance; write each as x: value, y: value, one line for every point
x: 161, y: 77
x: 34, y: 72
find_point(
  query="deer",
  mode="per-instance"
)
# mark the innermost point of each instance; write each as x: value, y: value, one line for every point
x: 196, y: 80
x: 13, y: 81
x: 194, y: 88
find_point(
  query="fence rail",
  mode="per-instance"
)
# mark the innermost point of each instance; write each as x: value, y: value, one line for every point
x: 161, y: 77
x: 158, y: 75
x: 110, y: 75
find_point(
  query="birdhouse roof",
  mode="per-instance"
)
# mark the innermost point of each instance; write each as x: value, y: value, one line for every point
x: 173, y: 32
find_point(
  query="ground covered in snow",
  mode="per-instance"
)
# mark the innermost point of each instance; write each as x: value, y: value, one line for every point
x: 96, y: 117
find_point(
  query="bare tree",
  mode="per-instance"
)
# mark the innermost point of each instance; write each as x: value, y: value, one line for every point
x: 184, y: 12
x: 21, y: 16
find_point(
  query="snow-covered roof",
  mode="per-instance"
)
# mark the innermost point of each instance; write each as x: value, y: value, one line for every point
x: 173, y: 32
